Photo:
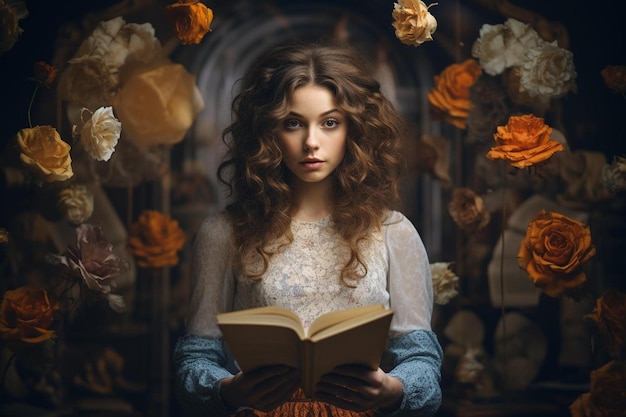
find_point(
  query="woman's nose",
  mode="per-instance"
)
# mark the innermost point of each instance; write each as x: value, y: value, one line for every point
x: 311, y: 141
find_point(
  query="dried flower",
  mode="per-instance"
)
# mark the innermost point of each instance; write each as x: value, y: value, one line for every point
x: 76, y: 204
x: 548, y: 71
x: 554, y: 251
x: 11, y: 12
x: 468, y: 210
x: 158, y: 105
x: 524, y: 141
x: 503, y: 46
x: 614, y: 175
x: 614, y: 77
x: 191, y: 20
x: 26, y: 315
x: 44, y: 73
x: 44, y: 152
x: 413, y: 22
x: 445, y: 282
x: 449, y: 99
x: 4, y: 235
x: 155, y: 240
x: 99, y: 135
x: 606, y: 397
x: 581, y: 173
x: 490, y: 109
x: 92, y: 260
x: 89, y: 80
x: 609, y: 315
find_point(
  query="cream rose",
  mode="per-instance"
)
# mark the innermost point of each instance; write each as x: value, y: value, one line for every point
x: 413, y: 23
x: 89, y: 80
x: 44, y: 152
x: 445, y: 282
x: 548, y: 71
x: 99, y: 135
x: 157, y: 106
x: 76, y: 204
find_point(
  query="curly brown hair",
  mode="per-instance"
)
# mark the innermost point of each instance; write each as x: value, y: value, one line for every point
x: 366, y: 181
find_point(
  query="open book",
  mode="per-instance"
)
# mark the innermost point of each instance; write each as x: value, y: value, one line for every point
x: 275, y: 336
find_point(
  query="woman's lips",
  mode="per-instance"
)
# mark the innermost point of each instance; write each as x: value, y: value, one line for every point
x: 312, y: 164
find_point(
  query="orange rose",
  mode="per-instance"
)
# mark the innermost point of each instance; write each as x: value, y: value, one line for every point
x: 615, y: 77
x: 191, y: 20
x: 155, y: 240
x: 524, y: 141
x: 26, y: 315
x: 449, y: 99
x: 45, y: 153
x: 44, y: 73
x: 610, y: 316
x: 468, y: 210
x: 608, y: 390
x: 554, y: 251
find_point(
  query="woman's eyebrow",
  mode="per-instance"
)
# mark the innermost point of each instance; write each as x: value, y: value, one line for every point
x: 293, y: 113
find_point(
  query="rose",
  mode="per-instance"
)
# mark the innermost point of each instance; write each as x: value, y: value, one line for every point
x: 449, y: 99
x: 44, y: 152
x: 99, y: 135
x: 413, y: 23
x: 445, y: 282
x: 606, y: 397
x: 548, y: 71
x: 503, y: 46
x: 554, y: 251
x: 468, y: 210
x: 155, y: 240
x: 76, y: 202
x: 191, y: 20
x: 26, y: 315
x: 44, y: 73
x: 609, y: 315
x: 158, y: 105
x: 614, y: 77
x: 524, y: 141
x: 89, y: 80
x: 11, y: 12
x: 92, y: 259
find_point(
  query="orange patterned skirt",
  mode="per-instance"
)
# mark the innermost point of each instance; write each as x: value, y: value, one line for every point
x: 300, y: 406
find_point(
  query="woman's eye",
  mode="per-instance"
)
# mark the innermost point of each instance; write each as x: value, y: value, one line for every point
x: 292, y: 124
x: 330, y: 123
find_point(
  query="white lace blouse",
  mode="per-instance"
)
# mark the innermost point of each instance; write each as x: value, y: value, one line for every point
x: 305, y: 275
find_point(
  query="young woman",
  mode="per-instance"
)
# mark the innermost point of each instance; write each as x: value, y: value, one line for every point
x: 313, y: 168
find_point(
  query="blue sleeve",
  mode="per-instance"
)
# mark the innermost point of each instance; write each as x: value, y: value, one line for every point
x: 415, y: 359
x: 200, y: 365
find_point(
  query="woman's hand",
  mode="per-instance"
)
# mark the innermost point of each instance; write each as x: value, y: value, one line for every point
x: 262, y: 389
x: 358, y: 388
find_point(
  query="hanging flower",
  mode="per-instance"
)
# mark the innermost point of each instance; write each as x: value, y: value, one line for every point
x: 614, y: 77
x: 504, y: 46
x: 468, y: 210
x: 606, y: 397
x: 413, y: 22
x: 524, y: 141
x: 490, y: 108
x: 26, y: 315
x: 191, y: 20
x: 155, y: 240
x: 157, y: 106
x: 614, y: 175
x: 11, y: 12
x: 44, y: 152
x: 445, y: 282
x: 548, y: 71
x: 554, y: 251
x: 76, y: 204
x: 92, y: 259
x: 99, y: 135
x: 88, y: 80
x: 609, y: 315
x: 44, y: 73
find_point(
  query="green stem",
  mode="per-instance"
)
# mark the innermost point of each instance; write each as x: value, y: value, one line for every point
x: 30, y: 105
x: 502, y: 306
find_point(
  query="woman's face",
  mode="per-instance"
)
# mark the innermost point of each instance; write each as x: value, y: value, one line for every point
x: 312, y: 137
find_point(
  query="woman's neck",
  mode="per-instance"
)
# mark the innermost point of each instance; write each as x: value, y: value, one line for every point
x: 313, y: 201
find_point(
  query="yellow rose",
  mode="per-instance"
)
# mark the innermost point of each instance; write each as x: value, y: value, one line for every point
x: 155, y: 240
x: 524, y: 141
x: 554, y: 251
x: 191, y: 20
x: 449, y: 99
x: 45, y: 153
x: 26, y: 314
x: 157, y: 106
x: 413, y: 23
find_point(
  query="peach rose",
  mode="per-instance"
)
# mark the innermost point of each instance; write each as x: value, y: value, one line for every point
x: 155, y: 240
x: 610, y: 317
x: 44, y: 152
x: 554, y: 251
x: 449, y: 99
x: 614, y: 77
x: 191, y: 20
x: 524, y: 141
x: 413, y: 23
x: 26, y: 315
x: 468, y: 210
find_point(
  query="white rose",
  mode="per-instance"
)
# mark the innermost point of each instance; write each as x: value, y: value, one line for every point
x: 413, y: 23
x: 445, y: 282
x: 99, y: 135
x: 76, y: 203
x: 548, y: 71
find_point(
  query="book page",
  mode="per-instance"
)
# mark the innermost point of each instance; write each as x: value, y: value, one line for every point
x: 329, y: 319
x: 270, y: 315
